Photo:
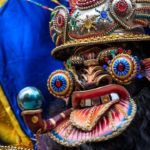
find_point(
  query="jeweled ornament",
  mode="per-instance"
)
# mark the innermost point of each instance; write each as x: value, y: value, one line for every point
x: 123, y: 68
x: 121, y: 7
x: 103, y: 14
x: 61, y: 83
x: 60, y: 20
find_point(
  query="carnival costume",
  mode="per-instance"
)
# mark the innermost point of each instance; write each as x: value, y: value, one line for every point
x: 97, y: 43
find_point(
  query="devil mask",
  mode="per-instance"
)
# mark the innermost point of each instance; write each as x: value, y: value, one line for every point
x: 96, y: 42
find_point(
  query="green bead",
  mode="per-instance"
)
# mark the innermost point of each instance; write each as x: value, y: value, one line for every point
x: 136, y: 57
x: 52, y: 14
x: 39, y: 4
x: 112, y: 52
x: 68, y: 62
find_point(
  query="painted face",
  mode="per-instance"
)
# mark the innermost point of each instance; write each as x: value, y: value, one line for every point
x: 102, y: 105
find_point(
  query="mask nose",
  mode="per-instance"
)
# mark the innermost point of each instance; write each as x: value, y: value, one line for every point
x: 93, y: 77
x: 101, y: 80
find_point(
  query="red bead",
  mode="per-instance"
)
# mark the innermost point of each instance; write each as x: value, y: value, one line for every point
x: 120, y: 50
x: 106, y: 60
x: 121, y: 67
x: 122, y: 7
x: 58, y: 83
x: 59, y: 20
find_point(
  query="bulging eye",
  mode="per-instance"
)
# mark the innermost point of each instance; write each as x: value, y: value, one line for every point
x: 61, y: 83
x: 124, y: 68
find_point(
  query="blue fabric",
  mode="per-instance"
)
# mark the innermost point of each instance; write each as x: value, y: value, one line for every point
x: 25, y: 46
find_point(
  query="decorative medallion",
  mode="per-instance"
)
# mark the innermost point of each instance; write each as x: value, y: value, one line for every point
x: 123, y: 68
x: 103, y: 15
x: 121, y: 7
x: 122, y: 11
x: 60, y: 20
x: 61, y: 83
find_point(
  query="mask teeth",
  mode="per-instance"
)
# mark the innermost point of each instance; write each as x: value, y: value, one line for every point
x: 99, y: 100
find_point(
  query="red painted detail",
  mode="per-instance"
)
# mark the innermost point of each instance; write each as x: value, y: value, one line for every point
x: 34, y: 127
x: 121, y: 67
x: 120, y: 50
x: 58, y: 41
x: 51, y: 31
x: 121, y: 7
x: 141, y: 22
x: 72, y: 4
x: 58, y: 83
x: 106, y: 59
x: 60, y: 19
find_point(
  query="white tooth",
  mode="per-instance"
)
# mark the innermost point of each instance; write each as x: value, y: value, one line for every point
x: 114, y: 96
x: 88, y: 102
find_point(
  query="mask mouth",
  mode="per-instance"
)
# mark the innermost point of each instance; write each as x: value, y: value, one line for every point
x: 91, y: 106
x: 98, y: 115
x: 98, y: 96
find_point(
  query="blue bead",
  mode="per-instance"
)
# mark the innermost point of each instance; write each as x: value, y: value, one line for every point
x: 30, y: 98
x: 139, y: 76
x: 104, y: 14
x: 105, y: 67
x: 109, y: 61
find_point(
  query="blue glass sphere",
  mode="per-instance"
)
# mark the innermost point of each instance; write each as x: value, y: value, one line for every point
x: 30, y: 98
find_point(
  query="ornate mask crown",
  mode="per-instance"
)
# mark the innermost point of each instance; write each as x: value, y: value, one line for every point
x: 98, y: 21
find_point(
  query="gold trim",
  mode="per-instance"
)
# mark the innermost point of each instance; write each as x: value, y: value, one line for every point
x: 89, y: 128
x: 99, y: 40
x: 13, y: 148
x: 98, y: 139
x: 34, y: 119
x: 2, y: 2
x: 24, y: 139
x: 142, y: 1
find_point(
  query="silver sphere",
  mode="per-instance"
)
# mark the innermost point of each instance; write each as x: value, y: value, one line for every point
x: 30, y: 98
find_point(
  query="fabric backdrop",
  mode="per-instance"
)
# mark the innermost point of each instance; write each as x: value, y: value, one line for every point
x: 25, y: 47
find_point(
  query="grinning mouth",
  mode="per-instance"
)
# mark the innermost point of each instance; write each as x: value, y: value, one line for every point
x: 98, y: 96
x: 91, y: 105
x: 88, y: 102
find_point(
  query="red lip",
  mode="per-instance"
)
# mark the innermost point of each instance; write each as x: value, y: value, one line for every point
x: 78, y: 95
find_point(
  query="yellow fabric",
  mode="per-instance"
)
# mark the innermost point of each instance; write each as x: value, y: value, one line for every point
x: 2, y: 2
x: 10, y: 130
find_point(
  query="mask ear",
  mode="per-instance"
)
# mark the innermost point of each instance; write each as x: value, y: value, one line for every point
x: 146, y: 63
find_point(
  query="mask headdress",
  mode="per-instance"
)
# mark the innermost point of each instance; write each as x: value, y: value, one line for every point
x: 99, y: 22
